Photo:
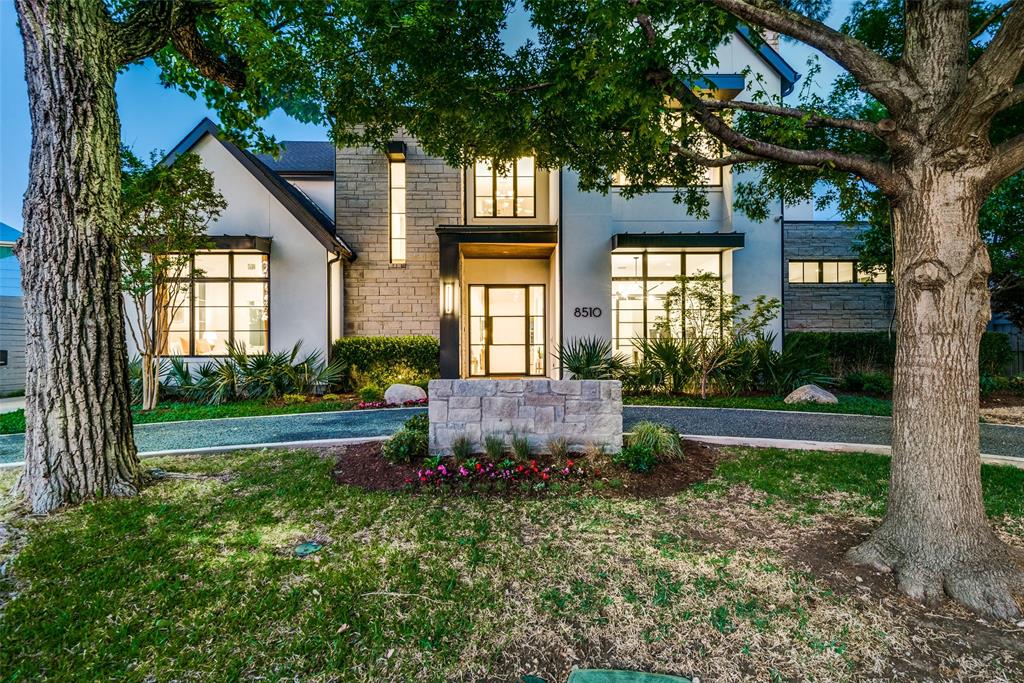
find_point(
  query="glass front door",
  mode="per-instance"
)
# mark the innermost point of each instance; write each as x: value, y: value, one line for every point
x: 506, y: 330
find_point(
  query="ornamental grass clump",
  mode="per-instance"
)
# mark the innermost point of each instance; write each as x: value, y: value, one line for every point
x: 661, y: 440
x: 521, y: 446
x: 494, y: 446
x: 462, y: 448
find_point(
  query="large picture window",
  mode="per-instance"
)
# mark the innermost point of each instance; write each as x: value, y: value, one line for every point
x: 221, y: 297
x: 640, y: 284
x: 511, y: 192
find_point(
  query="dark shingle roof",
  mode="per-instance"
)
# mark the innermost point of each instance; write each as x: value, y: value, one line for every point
x: 301, y: 156
x: 302, y: 207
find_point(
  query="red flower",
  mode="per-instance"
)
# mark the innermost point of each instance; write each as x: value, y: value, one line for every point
x: 478, y: 466
x: 568, y: 463
x: 544, y: 475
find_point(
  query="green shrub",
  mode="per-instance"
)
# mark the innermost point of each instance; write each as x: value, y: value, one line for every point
x: 407, y: 445
x: 870, y: 382
x: 636, y: 457
x: 991, y: 383
x: 292, y: 399
x: 844, y: 352
x: 371, y: 393
x: 661, y: 440
x: 1017, y: 384
x: 381, y: 359
x: 995, y: 354
x: 420, y: 422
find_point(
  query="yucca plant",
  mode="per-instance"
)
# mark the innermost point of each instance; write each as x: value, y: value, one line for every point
x: 217, y: 382
x: 312, y: 374
x: 590, y: 358
x: 670, y: 360
x: 177, y: 377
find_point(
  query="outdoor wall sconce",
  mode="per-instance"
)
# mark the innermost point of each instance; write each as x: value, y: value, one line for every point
x: 397, y: 150
x: 449, y: 298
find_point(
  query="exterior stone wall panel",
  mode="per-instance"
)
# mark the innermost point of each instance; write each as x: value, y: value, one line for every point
x: 583, y: 412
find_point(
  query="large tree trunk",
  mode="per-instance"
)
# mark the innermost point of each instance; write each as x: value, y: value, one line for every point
x: 935, y: 535
x: 78, y: 440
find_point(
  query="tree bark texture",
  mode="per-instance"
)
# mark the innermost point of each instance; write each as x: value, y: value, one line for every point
x: 78, y: 440
x: 935, y: 536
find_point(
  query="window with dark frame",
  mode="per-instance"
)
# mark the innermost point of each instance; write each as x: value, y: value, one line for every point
x: 640, y: 283
x: 834, y: 271
x: 511, y: 193
x: 222, y: 297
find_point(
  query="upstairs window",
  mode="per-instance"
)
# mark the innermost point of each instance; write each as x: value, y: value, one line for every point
x: 833, y: 272
x: 510, y: 193
x: 396, y: 202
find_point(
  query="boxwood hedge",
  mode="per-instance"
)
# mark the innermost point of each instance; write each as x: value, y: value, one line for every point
x: 370, y: 355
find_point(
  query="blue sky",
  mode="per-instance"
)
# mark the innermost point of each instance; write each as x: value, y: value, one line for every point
x: 153, y: 117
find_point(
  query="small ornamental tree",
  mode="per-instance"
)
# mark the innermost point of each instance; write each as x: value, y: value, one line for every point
x: 712, y: 321
x: 165, y: 210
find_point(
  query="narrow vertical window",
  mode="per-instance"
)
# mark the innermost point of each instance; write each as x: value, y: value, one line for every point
x: 396, y: 200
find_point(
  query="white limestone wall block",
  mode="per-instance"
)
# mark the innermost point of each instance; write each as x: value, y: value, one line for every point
x: 583, y: 412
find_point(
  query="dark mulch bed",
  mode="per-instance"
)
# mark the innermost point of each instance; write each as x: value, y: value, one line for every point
x: 1002, y: 399
x: 362, y: 465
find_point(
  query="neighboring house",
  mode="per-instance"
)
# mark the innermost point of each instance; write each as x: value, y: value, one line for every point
x: 12, y: 317
x: 503, y: 267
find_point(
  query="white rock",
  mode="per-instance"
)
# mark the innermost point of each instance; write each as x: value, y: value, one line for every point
x: 811, y: 393
x: 400, y: 393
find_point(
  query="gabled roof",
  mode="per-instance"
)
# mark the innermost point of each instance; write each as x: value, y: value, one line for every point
x: 787, y: 73
x: 311, y: 216
x: 301, y: 157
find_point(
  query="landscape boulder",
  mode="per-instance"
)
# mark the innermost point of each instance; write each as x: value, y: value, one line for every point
x: 398, y: 394
x: 811, y: 393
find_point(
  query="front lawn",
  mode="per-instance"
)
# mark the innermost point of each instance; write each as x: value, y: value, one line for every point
x: 848, y: 403
x: 14, y: 422
x: 738, y: 578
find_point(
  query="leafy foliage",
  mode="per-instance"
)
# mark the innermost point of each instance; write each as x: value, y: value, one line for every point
x: 589, y: 358
x: 636, y: 457
x: 406, y: 446
x: 385, y: 360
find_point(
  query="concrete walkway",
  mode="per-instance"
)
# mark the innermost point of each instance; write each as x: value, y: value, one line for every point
x: 720, y: 422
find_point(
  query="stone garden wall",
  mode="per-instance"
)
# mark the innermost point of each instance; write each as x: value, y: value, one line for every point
x: 583, y: 412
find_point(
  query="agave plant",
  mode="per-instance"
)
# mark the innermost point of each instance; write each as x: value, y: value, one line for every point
x: 590, y: 358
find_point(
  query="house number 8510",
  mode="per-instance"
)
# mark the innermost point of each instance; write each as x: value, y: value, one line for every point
x: 587, y: 312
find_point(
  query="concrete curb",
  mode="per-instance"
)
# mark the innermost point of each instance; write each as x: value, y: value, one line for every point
x: 830, y: 446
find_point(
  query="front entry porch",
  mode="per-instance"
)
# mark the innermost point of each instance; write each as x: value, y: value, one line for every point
x: 498, y: 301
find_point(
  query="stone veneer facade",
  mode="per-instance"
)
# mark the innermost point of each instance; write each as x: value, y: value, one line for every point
x: 849, y: 307
x: 583, y: 412
x: 382, y: 298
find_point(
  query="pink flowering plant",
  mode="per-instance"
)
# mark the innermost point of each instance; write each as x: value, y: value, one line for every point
x: 486, y: 474
x: 365, y: 405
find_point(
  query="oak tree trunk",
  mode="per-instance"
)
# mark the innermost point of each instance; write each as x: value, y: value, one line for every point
x: 78, y: 440
x: 935, y: 536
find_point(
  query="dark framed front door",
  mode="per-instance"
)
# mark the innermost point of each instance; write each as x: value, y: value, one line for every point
x: 506, y: 330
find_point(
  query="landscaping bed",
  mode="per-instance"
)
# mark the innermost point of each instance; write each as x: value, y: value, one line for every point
x: 361, y: 465
x: 848, y: 403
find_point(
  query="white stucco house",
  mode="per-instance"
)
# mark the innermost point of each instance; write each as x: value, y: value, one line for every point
x: 503, y: 268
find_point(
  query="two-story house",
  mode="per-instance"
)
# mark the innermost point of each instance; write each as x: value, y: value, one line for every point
x: 504, y: 265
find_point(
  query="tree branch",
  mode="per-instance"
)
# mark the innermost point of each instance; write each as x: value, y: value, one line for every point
x: 729, y: 160
x: 228, y: 72
x: 1015, y: 97
x: 1007, y: 159
x: 887, y: 82
x: 993, y: 76
x: 867, y: 168
x: 810, y: 118
x: 155, y: 23
x: 998, y: 12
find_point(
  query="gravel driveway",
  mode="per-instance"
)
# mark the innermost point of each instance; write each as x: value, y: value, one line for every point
x: 770, y: 424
